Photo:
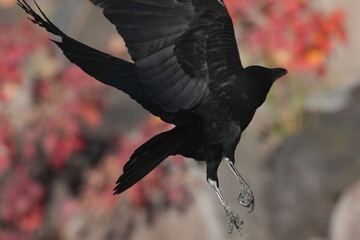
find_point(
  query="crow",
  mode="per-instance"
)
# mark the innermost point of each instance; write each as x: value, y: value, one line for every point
x: 187, y: 71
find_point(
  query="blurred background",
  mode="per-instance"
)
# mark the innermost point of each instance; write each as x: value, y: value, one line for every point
x: 64, y: 137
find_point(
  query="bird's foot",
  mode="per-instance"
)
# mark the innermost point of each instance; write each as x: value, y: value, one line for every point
x: 234, y: 220
x: 246, y: 197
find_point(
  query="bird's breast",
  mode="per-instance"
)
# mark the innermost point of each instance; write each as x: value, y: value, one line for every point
x: 226, y: 107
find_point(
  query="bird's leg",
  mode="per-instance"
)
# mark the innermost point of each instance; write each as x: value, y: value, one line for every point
x: 233, y: 218
x: 246, y: 197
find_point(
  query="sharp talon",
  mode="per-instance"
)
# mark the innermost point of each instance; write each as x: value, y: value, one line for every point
x: 251, y: 207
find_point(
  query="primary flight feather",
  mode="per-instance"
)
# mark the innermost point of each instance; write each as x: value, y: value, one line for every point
x: 186, y: 70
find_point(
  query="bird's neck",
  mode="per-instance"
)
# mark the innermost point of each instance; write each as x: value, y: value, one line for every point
x: 255, y: 90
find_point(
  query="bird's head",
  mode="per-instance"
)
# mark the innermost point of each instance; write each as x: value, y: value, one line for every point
x: 260, y: 79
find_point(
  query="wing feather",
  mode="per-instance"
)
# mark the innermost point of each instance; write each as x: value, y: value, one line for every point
x: 110, y: 70
x: 174, y: 43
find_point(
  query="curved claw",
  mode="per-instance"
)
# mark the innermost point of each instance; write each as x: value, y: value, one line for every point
x: 251, y: 208
x: 234, y: 220
x: 247, y: 200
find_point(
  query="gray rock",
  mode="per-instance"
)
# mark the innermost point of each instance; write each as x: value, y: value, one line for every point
x: 309, y: 170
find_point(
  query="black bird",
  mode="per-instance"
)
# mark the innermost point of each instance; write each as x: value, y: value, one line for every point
x: 188, y: 72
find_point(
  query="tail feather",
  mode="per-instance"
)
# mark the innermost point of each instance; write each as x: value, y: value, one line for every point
x: 149, y: 155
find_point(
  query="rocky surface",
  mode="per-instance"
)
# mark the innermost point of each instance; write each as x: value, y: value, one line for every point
x: 306, y: 174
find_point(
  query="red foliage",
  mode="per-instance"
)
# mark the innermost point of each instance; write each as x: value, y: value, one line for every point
x: 23, y: 202
x: 291, y: 34
x: 16, y: 44
x: 6, y: 145
x: 61, y: 139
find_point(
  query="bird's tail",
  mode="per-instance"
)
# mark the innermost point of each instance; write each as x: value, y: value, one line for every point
x: 149, y: 155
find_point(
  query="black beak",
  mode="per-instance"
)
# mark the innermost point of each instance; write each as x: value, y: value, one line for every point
x: 279, y: 72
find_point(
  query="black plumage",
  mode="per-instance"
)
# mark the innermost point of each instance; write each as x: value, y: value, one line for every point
x: 187, y: 71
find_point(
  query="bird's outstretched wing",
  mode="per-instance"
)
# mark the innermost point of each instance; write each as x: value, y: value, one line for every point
x: 178, y: 46
x: 107, y: 69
